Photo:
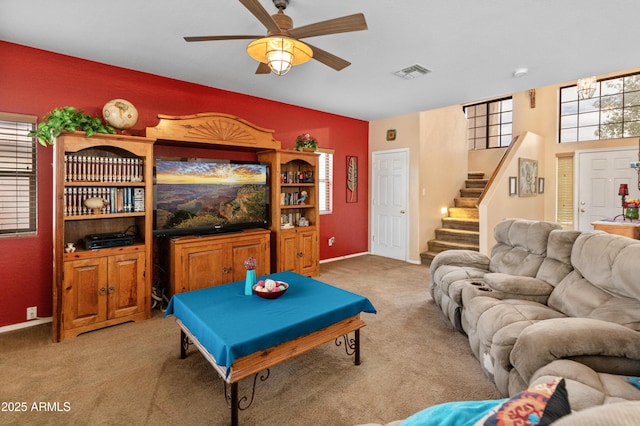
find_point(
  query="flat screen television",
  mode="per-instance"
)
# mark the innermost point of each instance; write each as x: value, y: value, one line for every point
x: 200, y: 196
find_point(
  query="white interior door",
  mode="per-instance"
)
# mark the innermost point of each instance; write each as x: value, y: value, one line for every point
x: 600, y: 174
x: 389, y: 195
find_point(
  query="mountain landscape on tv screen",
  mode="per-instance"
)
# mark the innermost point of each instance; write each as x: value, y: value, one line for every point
x: 181, y: 206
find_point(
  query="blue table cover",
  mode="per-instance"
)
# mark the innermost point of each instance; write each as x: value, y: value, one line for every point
x: 231, y: 325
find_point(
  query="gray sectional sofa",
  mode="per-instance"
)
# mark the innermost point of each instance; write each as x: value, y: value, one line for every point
x: 548, y: 302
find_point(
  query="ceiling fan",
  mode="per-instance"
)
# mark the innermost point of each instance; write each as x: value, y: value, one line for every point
x: 282, y: 48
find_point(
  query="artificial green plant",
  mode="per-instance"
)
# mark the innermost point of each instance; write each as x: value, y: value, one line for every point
x: 68, y: 119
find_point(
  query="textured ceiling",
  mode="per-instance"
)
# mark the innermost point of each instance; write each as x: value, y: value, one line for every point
x: 472, y: 47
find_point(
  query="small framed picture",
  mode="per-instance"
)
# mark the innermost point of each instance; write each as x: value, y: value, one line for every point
x: 540, y: 185
x: 391, y: 134
x: 513, y: 185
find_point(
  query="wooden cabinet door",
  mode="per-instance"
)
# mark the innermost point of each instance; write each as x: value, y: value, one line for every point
x: 84, y: 300
x: 126, y: 285
x: 241, y: 250
x: 204, y: 266
x: 288, y: 255
x: 308, y: 252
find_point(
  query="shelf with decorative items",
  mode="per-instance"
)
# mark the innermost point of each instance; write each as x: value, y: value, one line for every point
x: 295, y: 210
x: 103, y: 231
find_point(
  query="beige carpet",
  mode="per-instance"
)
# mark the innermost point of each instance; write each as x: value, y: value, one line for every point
x: 131, y: 374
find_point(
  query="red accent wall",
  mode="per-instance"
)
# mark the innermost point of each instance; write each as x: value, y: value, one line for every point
x: 34, y: 81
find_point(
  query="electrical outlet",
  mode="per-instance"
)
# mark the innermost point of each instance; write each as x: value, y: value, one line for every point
x: 32, y: 312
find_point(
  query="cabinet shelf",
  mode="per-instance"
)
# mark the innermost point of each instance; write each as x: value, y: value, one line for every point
x: 106, y: 184
x: 296, y: 185
x: 82, y: 253
x: 104, y: 216
x: 297, y: 206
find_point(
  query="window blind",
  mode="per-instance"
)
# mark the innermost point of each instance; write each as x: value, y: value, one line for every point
x: 565, y: 191
x: 17, y: 174
x: 325, y: 180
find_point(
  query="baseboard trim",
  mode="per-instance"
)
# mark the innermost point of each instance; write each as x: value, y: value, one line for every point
x: 415, y: 262
x: 26, y: 324
x: 333, y: 259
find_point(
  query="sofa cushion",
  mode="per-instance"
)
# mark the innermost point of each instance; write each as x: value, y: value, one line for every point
x: 526, y: 288
x: 493, y: 326
x: 609, y: 262
x: 602, y: 345
x: 620, y: 414
x: 521, y: 246
x: 604, y: 282
x: 585, y: 386
x: 557, y: 263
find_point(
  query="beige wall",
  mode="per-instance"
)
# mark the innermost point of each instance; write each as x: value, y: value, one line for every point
x: 407, y: 129
x: 438, y: 164
x: 497, y: 204
x: 485, y: 160
x: 543, y: 120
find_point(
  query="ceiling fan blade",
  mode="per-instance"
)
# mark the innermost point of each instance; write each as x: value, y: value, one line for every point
x: 332, y: 26
x: 263, y: 16
x: 231, y: 37
x: 263, y: 68
x: 329, y: 59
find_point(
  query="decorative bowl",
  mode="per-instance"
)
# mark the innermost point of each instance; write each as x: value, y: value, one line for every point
x: 260, y: 290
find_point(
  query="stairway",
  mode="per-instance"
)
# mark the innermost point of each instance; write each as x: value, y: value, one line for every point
x: 460, y: 229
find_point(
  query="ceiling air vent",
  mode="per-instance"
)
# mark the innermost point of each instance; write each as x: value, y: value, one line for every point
x: 412, y: 72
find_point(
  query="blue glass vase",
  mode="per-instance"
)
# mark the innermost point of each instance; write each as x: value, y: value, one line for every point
x: 249, y: 281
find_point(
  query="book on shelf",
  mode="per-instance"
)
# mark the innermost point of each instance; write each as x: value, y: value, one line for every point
x: 300, y: 176
x: 102, y: 169
x: 116, y: 200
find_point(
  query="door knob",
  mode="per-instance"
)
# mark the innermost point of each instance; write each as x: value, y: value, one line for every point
x: 402, y: 211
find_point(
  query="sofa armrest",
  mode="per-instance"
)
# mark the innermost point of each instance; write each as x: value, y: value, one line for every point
x: 611, y: 346
x: 462, y: 258
x: 517, y: 287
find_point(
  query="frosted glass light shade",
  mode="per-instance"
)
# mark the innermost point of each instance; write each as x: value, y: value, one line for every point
x: 280, y: 53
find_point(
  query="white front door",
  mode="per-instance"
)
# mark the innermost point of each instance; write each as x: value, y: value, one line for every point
x: 389, y: 195
x: 600, y: 174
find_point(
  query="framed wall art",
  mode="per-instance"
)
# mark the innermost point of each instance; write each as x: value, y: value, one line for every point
x: 352, y: 179
x: 391, y: 134
x: 528, y: 177
x: 513, y: 186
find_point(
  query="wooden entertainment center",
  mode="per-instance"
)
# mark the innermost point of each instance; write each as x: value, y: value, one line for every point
x: 107, y: 281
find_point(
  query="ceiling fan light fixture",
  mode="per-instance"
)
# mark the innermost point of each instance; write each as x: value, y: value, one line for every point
x: 280, y: 53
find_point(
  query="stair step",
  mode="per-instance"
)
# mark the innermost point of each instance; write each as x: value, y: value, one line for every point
x: 468, y: 202
x: 460, y: 236
x: 427, y: 256
x: 461, y: 223
x: 476, y: 183
x: 437, y: 246
x: 471, y: 192
x: 464, y: 213
x: 475, y: 175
